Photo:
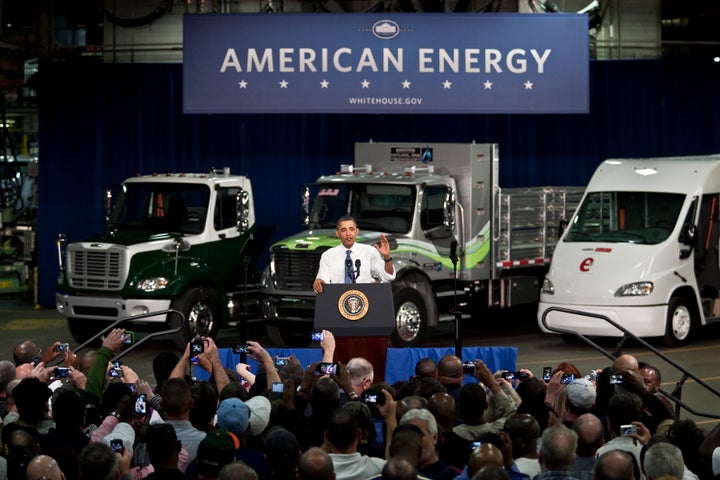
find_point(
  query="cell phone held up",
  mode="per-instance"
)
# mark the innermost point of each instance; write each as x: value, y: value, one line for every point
x: 197, y: 346
x: 328, y: 368
x: 241, y: 348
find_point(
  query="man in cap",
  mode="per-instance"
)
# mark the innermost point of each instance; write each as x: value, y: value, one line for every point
x: 581, y: 394
x: 233, y: 415
x: 216, y: 450
x: 282, y: 452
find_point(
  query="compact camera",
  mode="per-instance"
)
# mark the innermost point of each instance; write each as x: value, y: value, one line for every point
x: 282, y: 361
x: 373, y: 396
x: 628, y: 430
x: 316, y: 336
x: 469, y: 368
x: 616, y: 379
x: 62, y: 372
x: 508, y: 375
x: 128, y: 337
x: 62, y: 347
x: 117, y: 445
x: 241, y: 348
x: 567, y: 378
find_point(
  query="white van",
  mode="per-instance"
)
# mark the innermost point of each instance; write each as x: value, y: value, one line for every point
x: 642, y: 250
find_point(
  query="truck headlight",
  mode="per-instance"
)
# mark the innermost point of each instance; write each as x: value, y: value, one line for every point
x: 548, y: 287
x: 152, y: 284
x: 637, y: 289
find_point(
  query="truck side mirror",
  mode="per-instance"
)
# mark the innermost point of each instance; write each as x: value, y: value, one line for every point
x: 305, y: 201
x: 562, y: 226
x: 107, y: 204
x: 243, y: 210
x: 688, y: 234
x: 449, y: 210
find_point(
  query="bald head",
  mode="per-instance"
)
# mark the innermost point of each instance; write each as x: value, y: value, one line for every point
x: 442, y: 406
x: 25, y: 352
x: 23, y: 370
x: 44, y: 467
x: 485, y: 454
x: 408, y: 403
x: 614, y: 465
x: 399, y: 468
x: 626, y: 363
x: 315, y: 464
x: 450, y: 369
x: 426, y: 368
x: 589, y: 430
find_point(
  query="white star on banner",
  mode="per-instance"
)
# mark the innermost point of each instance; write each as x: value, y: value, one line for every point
x: 283, y: 83
x: 488, y: 85
x: 324, y: 84
x: 242, y: 84
x: 447, y: 84
x: 406, y: 84
x: 365, y: 84
x: 528, y: 85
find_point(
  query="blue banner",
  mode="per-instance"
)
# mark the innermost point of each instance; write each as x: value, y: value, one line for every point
x: 385, y: 63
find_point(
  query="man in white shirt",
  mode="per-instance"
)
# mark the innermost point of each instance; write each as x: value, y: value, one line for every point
x: 352, y: 262
x: 341, y: 439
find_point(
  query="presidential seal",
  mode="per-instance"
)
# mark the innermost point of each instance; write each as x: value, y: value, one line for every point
x: 353, y: 305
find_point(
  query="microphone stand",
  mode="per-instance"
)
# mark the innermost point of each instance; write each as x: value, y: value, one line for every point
x: 356, y: 274
x: 349, y: 270
x: 456, y: 312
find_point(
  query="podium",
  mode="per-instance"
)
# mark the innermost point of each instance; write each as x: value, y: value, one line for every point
x: 361, y: 316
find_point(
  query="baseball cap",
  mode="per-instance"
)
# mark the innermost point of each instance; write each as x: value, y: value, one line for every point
x: 122, y: 431
x: 581, y: 393
x: 233, y: 415
x: 281, y: 445
x: 216, y: 450
x: 259, y: 414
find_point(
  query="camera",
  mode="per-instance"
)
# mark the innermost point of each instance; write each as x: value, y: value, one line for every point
x: 141, y: 404
x: 35, y: 361
x: 117, y: 445
x: 547, y: 374
x: 241, y: 348
x: 567, y: 378
x: 469, y: 368
x: 128, y: 337
x: 328, y: 368
x: 62, y: 347
x: 521, y: 375
x: 474, y: 445
x: 316, y: 336
x: 508, y: 375
x: 282, y: 361
x: 115, y: 372
x: 278, y: 387
x: 197, y: 346
x: 628, y: 430
x: 373, y: 396
x: 616, y: 379
x: 62, y: 372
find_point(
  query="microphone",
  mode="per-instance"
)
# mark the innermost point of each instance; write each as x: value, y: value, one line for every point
x: 453, y: 251
x: 357, y: 269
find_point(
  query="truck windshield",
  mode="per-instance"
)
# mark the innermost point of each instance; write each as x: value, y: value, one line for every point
x: 161, y: 207
x: 382, y: 208
x: 626, y: 217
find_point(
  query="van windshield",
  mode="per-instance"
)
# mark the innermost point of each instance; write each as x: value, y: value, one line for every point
x: 626, y: 217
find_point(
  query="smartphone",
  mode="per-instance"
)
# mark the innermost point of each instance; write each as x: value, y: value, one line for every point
x: 474, y: 445
x: 547, y: 374
x: 508, y: 375
x: 567, y: 378
x: 197, y: 346
x: 628, y: 430
x: 282, y: 361
x: 241, y: 348
x: 521, y: 375
x: 129, y: 337
x: 328, y: 368
x: 469, y: 368
x: 62, y: 347
x: 62, y: 372
x: 316, y: 336
x: 115, y: 371
x: 616, y: 379
x: 117, y: 445
x: 141, y: 404
x: 278, y: 387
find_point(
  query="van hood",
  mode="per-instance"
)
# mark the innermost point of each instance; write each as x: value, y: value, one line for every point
x: 591, y: 273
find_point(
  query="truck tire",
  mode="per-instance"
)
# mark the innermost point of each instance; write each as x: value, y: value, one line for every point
x: 410, y: 318
x: 201, y: 307
x: 81, y: 329
x: 286, y: 336
x: 679, y: 322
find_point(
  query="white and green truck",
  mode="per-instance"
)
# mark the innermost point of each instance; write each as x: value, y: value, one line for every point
x: 185, y: 242
x: 457, y: 238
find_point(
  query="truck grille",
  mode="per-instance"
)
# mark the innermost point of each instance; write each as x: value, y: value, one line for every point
x: 97, y: 269
x: 295, y: 270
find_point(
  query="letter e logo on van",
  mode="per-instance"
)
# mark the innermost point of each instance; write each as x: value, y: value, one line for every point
x: 586, y: 264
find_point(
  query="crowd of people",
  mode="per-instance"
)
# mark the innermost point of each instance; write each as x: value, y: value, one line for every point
x: 90, y: 418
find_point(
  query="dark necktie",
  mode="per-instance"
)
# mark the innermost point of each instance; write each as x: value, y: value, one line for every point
x: 348, y: 267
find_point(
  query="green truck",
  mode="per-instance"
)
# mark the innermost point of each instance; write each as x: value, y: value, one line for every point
x: 185, y: 242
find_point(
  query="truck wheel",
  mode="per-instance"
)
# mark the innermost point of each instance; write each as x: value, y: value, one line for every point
x: 201, y: 308
x: 410, y: 318
x: 679, y: 322
x: 287, y: 336
x: 81, y: 329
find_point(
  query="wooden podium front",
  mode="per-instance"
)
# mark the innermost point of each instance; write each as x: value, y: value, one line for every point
x: 361, y: 316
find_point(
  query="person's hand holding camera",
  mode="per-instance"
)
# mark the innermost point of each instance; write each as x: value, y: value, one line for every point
x: 114, y: 340
x: 77, y: 378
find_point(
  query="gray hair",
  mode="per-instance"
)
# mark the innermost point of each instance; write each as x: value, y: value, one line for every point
x: 421, y: 414
x: 663, y: 460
